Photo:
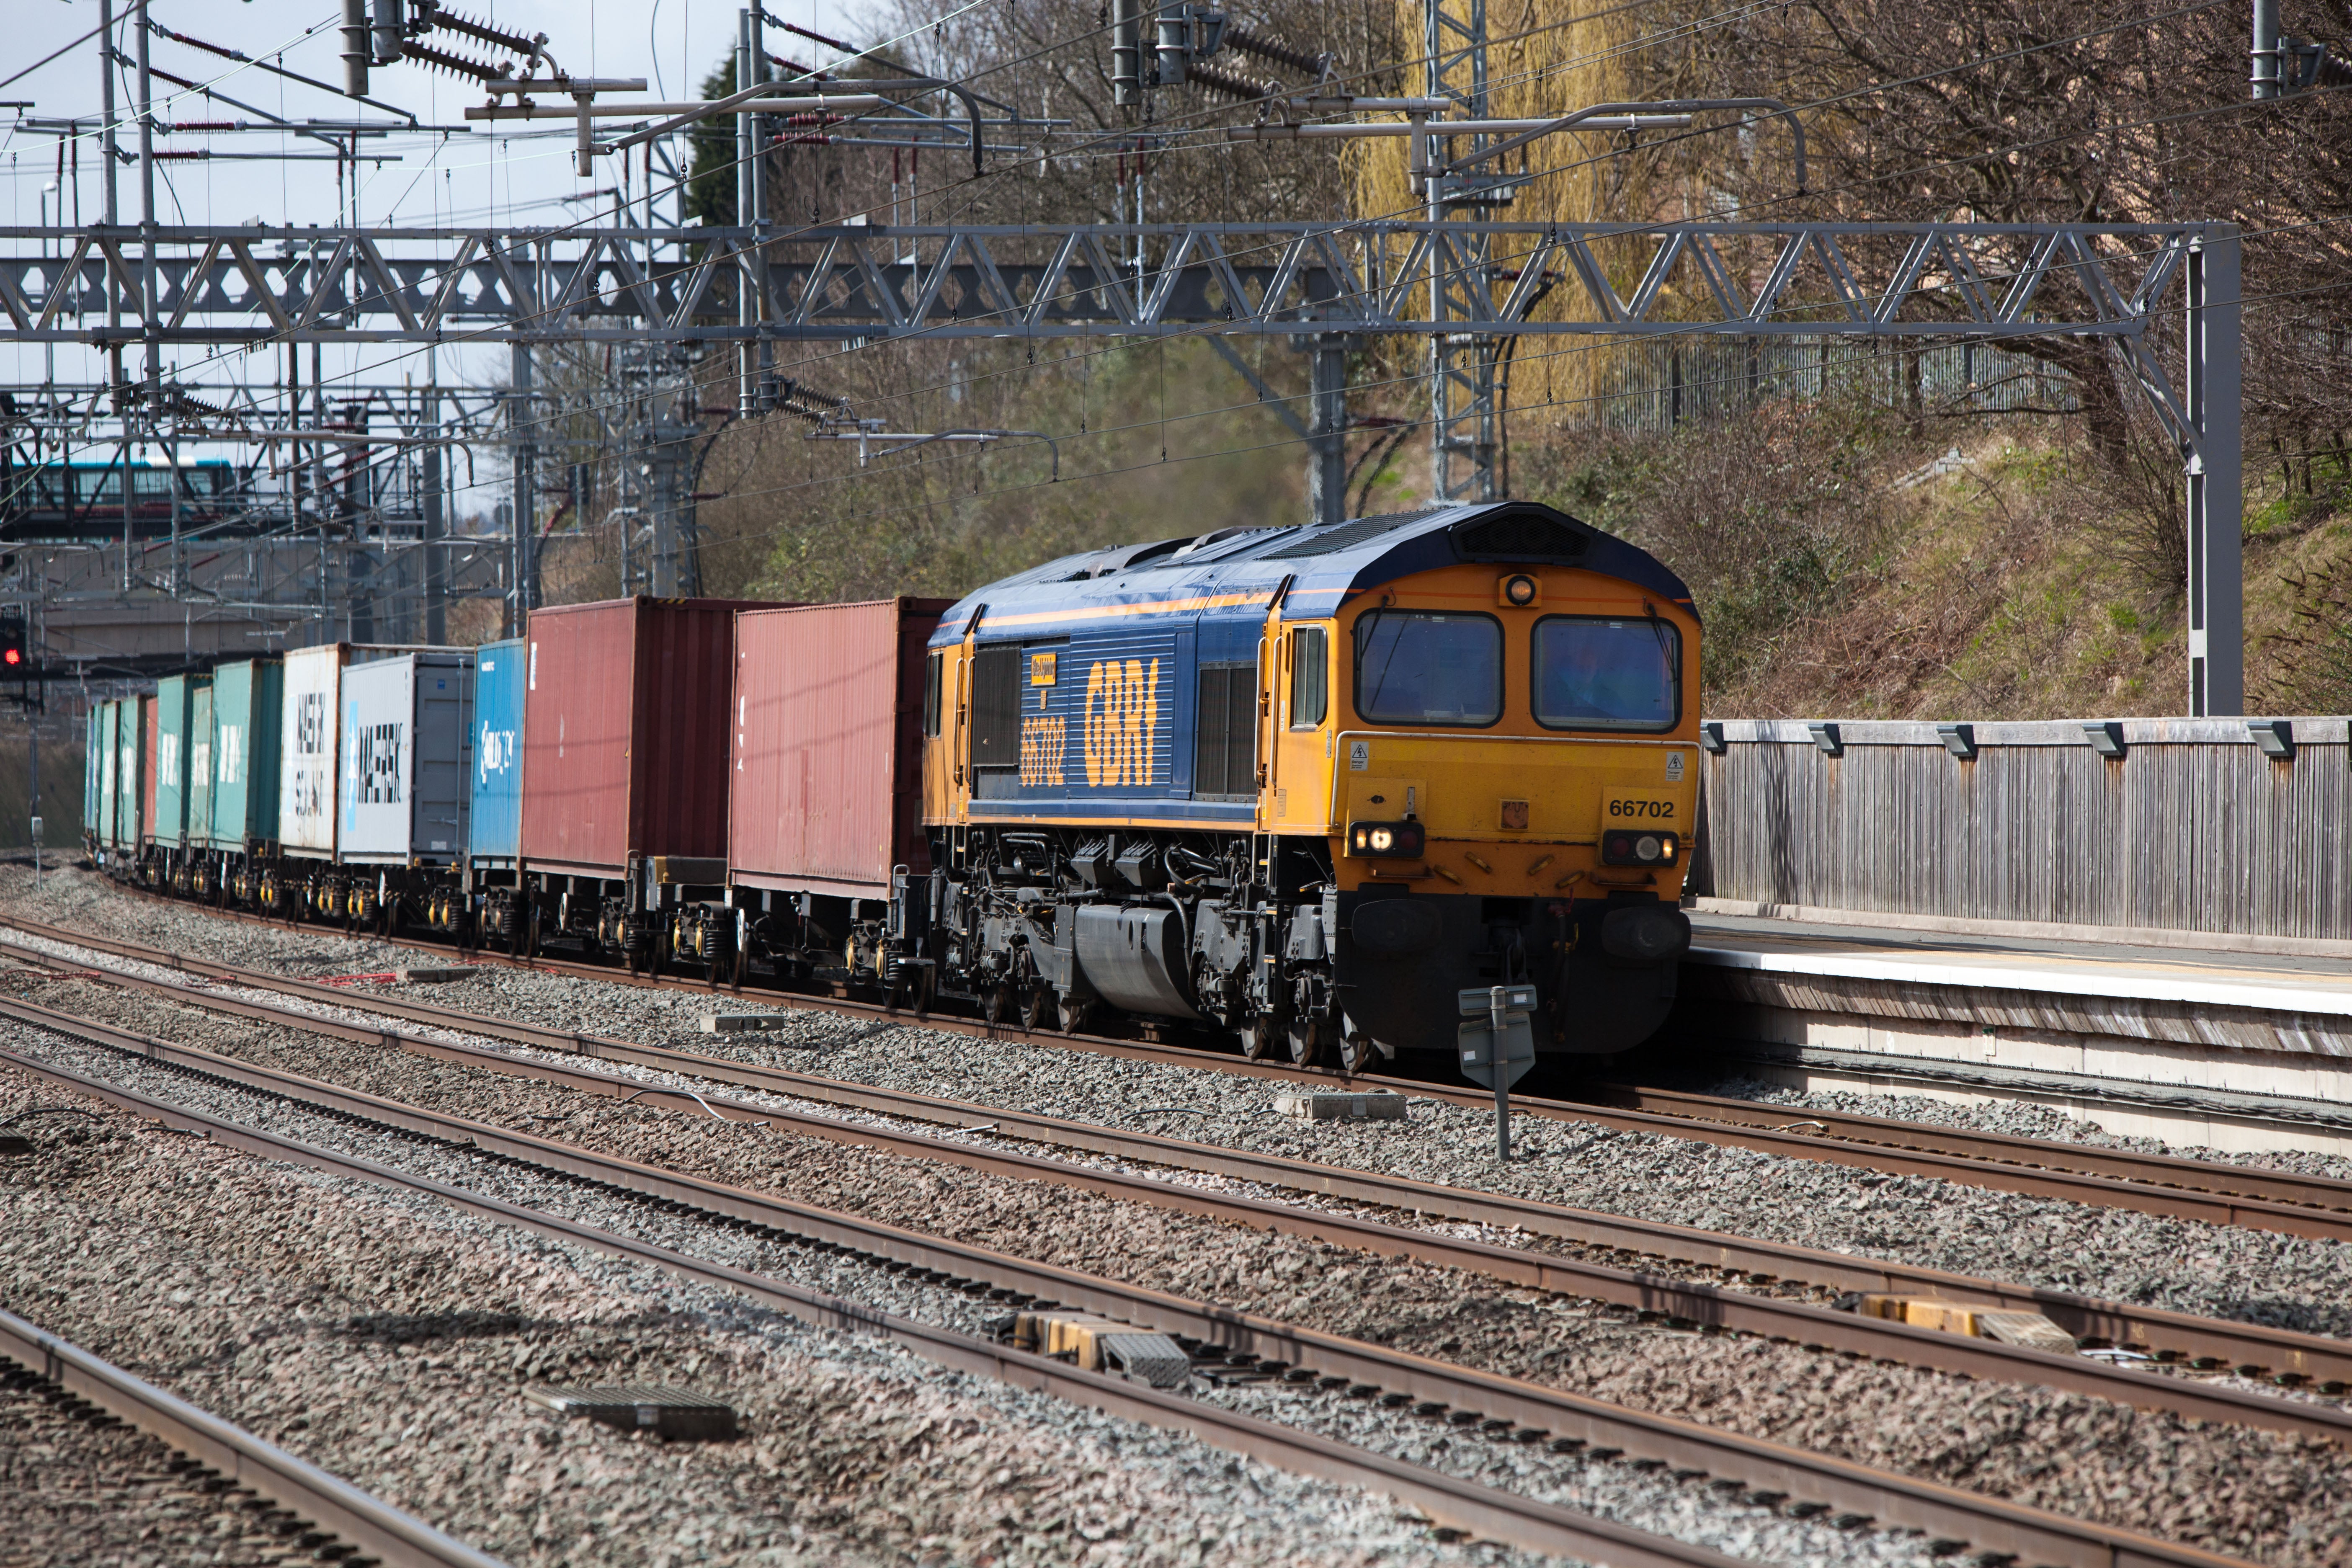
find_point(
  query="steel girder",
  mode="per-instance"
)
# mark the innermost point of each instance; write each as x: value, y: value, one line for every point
x: 852, y: 284
x: 1457, y: 282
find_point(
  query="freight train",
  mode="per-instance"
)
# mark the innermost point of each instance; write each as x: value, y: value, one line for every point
x: 1313, y: 790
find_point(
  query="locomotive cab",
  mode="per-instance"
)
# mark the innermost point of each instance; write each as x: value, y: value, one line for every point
x: 1513, y: 787
x: 1306, y: 786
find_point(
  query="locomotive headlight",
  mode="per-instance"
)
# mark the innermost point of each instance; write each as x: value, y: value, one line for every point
x: 1623, y: 847
x: 1388, y: 840
x: 1519, y: 592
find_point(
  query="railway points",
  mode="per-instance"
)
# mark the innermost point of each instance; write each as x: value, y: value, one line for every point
x: 1502, y: 1410
x: 507, y: 1294
x: 2207, y: 1190
x: 694, y: 1084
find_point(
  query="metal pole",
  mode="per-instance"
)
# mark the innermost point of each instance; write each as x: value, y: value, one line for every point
x: 1327, y: 437
x: 526, y: 496
x: 1461, y: 365
x: 106, y: 159
x: 2216, y: 496
x: 436, y: 580
x: 747, y: 181
x: 2265, y: 51
x: 147, y: 323
x: 1495, y: 999
x: 764, y: 351
x: 106, y: 110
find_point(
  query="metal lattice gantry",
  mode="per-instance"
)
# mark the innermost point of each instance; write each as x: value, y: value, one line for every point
x: 337, y: 511
x: 857, y: 283
x: 1463, y: 416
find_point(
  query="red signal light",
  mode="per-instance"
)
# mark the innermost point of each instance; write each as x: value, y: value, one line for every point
x: 13, y: 656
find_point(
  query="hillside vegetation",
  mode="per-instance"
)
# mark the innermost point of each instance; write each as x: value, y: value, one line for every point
x: 1854, y: 551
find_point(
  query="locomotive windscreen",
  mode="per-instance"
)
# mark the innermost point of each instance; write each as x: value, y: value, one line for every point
x: 1428, y: 667
x: 1594, y: 673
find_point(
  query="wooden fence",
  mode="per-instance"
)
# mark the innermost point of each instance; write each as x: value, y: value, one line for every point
x: 2195, y: 826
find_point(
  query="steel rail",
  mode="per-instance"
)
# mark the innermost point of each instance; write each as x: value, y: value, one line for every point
x: 2000, y: 1148
x: 2250, y: 1349
x: 1503, y: 1406
x: 325, y: 1501
x: 1482, y: 1512
x: 2050, y: 1178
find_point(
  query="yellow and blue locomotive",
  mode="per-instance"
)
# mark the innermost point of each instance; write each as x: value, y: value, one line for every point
x: 1305, y: 785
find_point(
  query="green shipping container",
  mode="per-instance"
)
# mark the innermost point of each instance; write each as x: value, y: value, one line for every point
x: 130, y: 771
x: 247, y: 699
x: 174, y: 751
x: 200, y: 765
x: 102, y: 736
x: 90, y: 756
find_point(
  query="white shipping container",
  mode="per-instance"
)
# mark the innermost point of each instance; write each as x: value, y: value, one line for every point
x: 406, y: 775
x: 307, y: 739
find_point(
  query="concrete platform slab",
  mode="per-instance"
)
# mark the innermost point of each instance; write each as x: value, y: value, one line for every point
x: 2226, y: 1049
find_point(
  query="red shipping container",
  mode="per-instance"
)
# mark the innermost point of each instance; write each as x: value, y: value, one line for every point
x: 827, y: 789
x: 625, y: 733
x: 151, y: 715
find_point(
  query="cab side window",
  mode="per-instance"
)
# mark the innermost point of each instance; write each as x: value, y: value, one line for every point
x: 1310, y: 677
x: 932, y: 665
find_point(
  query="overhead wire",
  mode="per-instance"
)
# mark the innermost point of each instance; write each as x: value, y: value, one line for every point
x: 1922, y: 77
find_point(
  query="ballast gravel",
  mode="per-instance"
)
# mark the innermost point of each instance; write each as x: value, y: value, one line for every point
x: 2016, y: 1118
x: 387, y: 1338
x: 80, y: 1486
x: 2260, y: 1493
x: 2184, y: 1265
x: 1617, y: 1491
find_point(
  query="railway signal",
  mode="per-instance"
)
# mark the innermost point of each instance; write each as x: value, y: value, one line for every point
x: 1500, y: 1047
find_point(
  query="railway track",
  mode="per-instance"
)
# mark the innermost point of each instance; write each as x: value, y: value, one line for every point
x: 2319, y: 1193
x: 2211, y: 1193
x: 325, y: 1511
x: 2180, y: 1338
x: 1499, y: 1408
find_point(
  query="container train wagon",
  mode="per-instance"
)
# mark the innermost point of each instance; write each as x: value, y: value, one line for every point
x: 1303, y: 788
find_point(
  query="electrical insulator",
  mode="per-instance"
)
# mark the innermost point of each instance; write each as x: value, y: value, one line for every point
x: 1184, y: 35
x: 391, y: 27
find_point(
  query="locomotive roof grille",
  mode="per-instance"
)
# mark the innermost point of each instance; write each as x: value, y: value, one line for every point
x: 1345, y: 535
x: 1517, y: 536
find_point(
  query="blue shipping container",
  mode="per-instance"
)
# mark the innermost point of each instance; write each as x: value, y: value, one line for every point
x: 496, y: 825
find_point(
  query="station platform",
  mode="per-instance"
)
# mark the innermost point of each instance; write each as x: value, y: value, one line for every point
x: 2194, y: 1042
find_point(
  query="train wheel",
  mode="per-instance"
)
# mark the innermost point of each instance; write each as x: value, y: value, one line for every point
x: 999, y: 1003
x: 1035, y: 1004
x: 1259, y: 1037
x: 741, y: 967
x: 1074, y: 1011
x: 1306, y: 1041
x: 1356, y: 1053
x: 921, y: 991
